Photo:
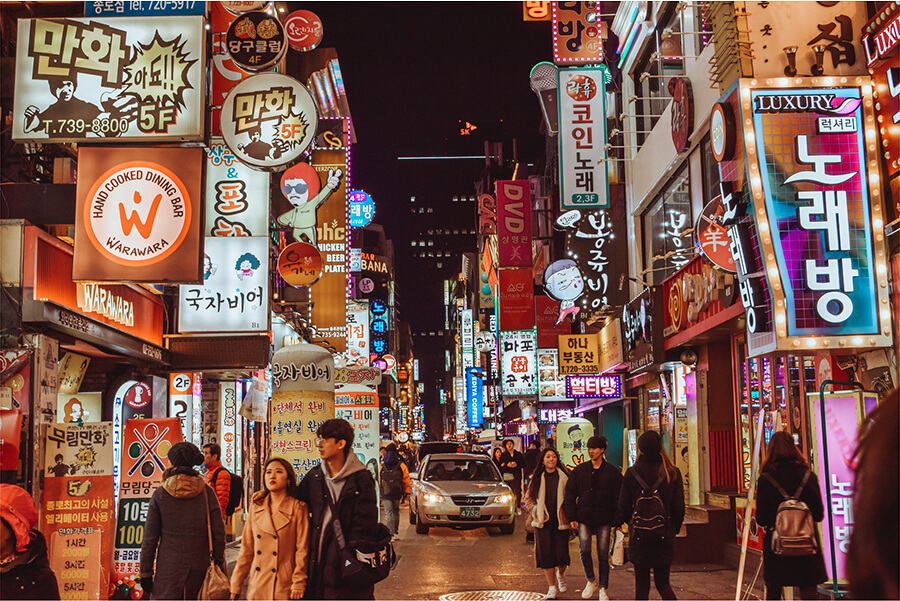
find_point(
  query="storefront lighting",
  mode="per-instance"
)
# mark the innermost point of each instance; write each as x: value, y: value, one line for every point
x: 881, y: 268
x: 856, y: 341
x: 780, y: 318
x: 811, y: 342
x: 773, y: 273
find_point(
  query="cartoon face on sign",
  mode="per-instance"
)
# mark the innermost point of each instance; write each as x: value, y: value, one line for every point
x: 300, y: 185
x: 564, y: 282
x: 246, y: 266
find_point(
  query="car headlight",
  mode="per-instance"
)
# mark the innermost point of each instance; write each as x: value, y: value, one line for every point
x: 504, y: 498
x: 432, y: 498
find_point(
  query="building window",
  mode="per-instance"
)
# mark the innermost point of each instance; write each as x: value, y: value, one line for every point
x: 710, y: 171
x: 666, y: 223
x: 431, y: 243
x: 430, y: 210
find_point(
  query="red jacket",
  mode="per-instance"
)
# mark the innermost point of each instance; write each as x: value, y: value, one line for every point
x: 222, y: 484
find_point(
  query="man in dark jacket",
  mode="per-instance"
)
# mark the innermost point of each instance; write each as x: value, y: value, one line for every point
x: 513, y: 462
x: 591, y: 506
x: 532, y: 456
x: 351, y: 488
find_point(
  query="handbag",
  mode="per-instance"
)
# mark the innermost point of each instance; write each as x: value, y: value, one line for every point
x: 216, y: 586
x: 371, y: 561
x: 617, y: 549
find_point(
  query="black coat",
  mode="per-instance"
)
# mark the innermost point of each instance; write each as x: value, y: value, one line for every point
x: 532, y: 456
x: 519, y: 460
x: 30, y: 576
x: 789, y: 571
x: 357, y: 510
x: 592, y: 496
x: 672, y: 494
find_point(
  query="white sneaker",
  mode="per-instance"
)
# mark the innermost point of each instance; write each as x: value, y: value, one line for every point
x: 590, y: 589
x: 561, y: 582
x: 603, y: 596
x: 519, y: 511
x: 551, y: 593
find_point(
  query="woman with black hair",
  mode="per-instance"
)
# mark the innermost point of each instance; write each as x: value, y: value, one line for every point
x: 274, y: 544
x: 653, y: 471
x: 543, y: 501
x: 789, y: 469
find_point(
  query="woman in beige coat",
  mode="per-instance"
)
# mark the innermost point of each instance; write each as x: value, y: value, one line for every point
x: 274, y: 544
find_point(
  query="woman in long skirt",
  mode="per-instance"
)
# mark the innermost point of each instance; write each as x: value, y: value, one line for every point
x: 544, y: 501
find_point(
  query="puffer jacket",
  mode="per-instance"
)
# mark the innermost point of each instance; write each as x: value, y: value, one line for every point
x: 592, y: 496
x: 29, y: 576
x: 219, y: 479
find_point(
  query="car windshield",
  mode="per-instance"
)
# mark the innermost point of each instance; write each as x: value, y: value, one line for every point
x: 476, y: 470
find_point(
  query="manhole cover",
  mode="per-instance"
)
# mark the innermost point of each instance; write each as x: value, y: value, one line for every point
x: 493, y: 596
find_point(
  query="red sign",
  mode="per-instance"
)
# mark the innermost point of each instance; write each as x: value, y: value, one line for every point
x: 577, y: 33
x: 515, y: 296
x: 682, y: 112
x: 696, y: 292
x: 514, y: 223
x: 712, y: 236
x: 300, y: 264
x: 546, y: 311
x: 10, y: 437
x: 881, y: 39
x: 304, y: 30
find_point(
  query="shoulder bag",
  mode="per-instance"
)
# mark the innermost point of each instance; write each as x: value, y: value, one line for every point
x: 216, y: 586
x: 371, y: 561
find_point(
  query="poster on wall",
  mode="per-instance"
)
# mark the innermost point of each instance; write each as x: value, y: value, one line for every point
x: 78, y: 506
x: 110, y: 80
x: 79, y: 408
x: 237, y: 197
x: 302, y: 398
x: 235, y: 292
x: 121, y: 238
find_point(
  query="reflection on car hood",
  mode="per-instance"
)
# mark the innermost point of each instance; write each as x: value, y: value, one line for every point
x: 462, y: 487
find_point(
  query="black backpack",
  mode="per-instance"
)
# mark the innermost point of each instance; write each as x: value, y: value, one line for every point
x: 235, y: 492
x: 795, y: 530
x: 650, y: 519
x: 392, y: 482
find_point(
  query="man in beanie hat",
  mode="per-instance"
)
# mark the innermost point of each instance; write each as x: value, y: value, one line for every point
x: 24, y: 567
x: 653, y: 475
x: 175, y: 534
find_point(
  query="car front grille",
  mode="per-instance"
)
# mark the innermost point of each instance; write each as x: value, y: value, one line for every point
x: 469, y: 500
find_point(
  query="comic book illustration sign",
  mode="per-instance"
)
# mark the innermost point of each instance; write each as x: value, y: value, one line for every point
x: 304, y: 30
x: 514, y: 223
x: 137, y: 217
x: 572, y: 435
x: 594, y: 387
x: 584, y: 182
x: 237, y: 197
x: 78, y: 506
x: 518, y: 360
x: 712, y: 237
x: 564, y: 282
x: 300, y: 264
x: 235, y: 291
x: 97, y: 79
x: 255, y: 41
x: 78, y: 408
x: 814, y: 176
x: 357, y: 354
x: 302, y: 398
x: 362, y: 208
x: 551, y: 386
x: 577, y: 30
x: 123, y: 8
x: 578, y: 354
x: 881, y: 39
x: 516, y: 299
x: 302, y: 187
x: 268, y: 120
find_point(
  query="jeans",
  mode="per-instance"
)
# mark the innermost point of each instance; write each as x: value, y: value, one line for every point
x: 585, y: 532
x: 392, y: 514
x: 660, y: 576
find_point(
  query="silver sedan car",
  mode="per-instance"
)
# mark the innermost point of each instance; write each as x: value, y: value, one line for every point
x: 461, y: 491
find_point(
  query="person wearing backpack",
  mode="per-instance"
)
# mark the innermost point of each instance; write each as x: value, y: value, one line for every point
x: 792, y: 551
x: 652, y: 500
x: 217, y: 476
x: 392, y: 480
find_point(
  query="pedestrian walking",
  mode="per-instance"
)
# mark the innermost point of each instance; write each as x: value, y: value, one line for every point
x: 339, y: 486
x: 393, y: 479
x: 531, y: 457
x: 275, y: 540
x: 873, y: 560
x: 653, y: 496
x: 496, y: 454
x: 24, y: 564
x: 785, y: 468
x: 176, y: 535
x: 513, y: 462
x: 217, y: 476
x: 544, y: 500
x: 592, y: 508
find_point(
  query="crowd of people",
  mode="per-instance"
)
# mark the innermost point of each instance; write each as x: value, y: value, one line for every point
x: 295, y: 536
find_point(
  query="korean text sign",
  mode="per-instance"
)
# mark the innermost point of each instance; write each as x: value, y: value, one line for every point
x: 514, y: 223
x: 518, y: 357
x: 237, y: 197
x: 813, y: 170
x: 578, y: 354
x: 235, y: 291
x: 577, y: 30
x: 583, y: 178
x: 123, y: 79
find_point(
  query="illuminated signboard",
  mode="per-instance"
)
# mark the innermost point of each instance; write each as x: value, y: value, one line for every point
x: 234, y: 296
x: 237, y: 197
x: 553, y: 416
x: 110, y: 79
x: 362, y: 208
x: 551, y: 386
x: 881, y: 39
x: 514, y: 224
x: 577, y: 33
x: 642, y: 330
x: 584, y: 181
x: 255, y: 41
x: 594, y: 387
x: 474, y: 397
x: 518, y: 359
x: 818, y: 206
x: 358, y: 334
x: 578, y: 354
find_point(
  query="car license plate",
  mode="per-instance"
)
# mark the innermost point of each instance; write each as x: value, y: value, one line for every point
x: 470, y: 512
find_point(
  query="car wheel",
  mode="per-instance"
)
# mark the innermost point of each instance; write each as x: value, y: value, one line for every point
x: 508, y: 528
x: 421, y: 528
x: 412, y: 515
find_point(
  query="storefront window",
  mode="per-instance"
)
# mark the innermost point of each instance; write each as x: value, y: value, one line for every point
x: 668, y: 229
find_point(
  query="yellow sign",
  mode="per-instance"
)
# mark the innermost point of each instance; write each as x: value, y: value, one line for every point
x: 535, y: 11
x: 578, y: 354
